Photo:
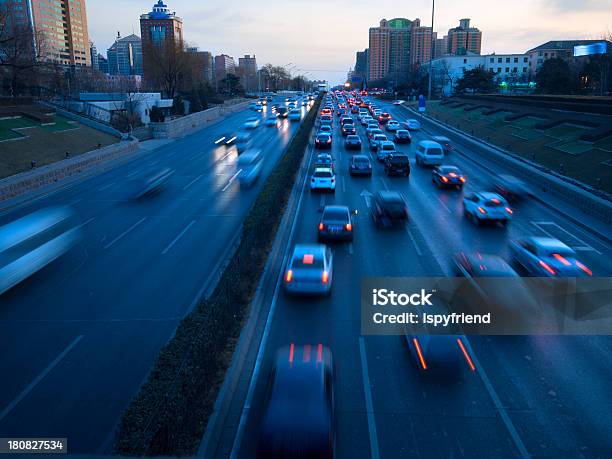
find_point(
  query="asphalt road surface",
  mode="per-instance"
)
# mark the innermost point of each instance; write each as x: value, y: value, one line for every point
x: 79, y: 337
x: 541, y: 396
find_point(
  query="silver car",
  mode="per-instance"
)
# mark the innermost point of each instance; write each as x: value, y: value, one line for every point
x: 310, y: 271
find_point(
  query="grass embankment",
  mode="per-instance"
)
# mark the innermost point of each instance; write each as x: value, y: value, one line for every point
x: 558, y: 148
x: 169, y: 414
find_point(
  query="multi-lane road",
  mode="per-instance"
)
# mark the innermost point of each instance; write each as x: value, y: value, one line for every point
x: 79, y: 337
x: 538, y: 396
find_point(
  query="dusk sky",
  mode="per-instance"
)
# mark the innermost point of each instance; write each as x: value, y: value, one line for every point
x: 321, y: 36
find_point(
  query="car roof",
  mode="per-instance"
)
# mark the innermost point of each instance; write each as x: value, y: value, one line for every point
x: 324, y: 169
x: 316, y: 249
x: 429, y: 144
x: 490, y: 265
x: 549, y: 243
x: 489, y: 195
x: 390, y: 196
x: 386, y: 143
x: 360, y: 157
x: 336, y: 209
x: 441, y: 138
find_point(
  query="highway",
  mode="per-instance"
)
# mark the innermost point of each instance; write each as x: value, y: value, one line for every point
x: 80, y: 336
x: 537, y: 396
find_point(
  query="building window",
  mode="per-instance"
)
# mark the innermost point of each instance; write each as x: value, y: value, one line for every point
x: 499, y: 59
x: 524, y: 59
x: 498, y: 69
x: 492, y: 60
x: 515, y: 69
x: 507, y: 69
x: 465, y: 61
x: 524, y: 69
x: 507, y: 59
x: 516, y: 59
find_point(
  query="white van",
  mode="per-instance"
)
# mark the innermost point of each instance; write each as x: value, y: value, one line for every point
x: 429, y: 153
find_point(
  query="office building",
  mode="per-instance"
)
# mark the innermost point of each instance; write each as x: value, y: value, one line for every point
x: 125, y: 56
x: 204, y: 61
x: 224, y: 65
x: 421, y: 41
x: 563, y: 49
x: 362, y: 64
x: 60, y: 28
x: 247, y: 71
x: 159, y: 28
x: 390, y: 49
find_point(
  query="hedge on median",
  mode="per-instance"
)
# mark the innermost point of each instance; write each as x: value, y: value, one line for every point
x: 169, y: 414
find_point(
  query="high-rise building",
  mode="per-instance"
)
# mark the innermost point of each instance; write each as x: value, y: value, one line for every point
x: 205, y: 62
x: 60, y: 28
x: 421, y: 41
x: 464, y: 39
x: 125, y: 56
x: 247, y: 71
x: 389, y: 50
x: 102, y: 64
x: 361, y: 64
x: 440, y: 47
x: 93, y: 55
x: 224, y: 65
x: 158, y: 28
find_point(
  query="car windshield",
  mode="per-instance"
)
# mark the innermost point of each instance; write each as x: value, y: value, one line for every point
x: 494, y: 202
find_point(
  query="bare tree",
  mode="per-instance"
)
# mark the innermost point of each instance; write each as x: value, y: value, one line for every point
x: 171, y: 68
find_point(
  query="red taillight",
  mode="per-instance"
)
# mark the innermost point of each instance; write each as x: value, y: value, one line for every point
x: 544, y: 265
x: 462, y: 179
x: 509, y: 210
x: 321, y: 226
x: 349, y: 227
x: 466, y: 355
x: 319, y: 353
x: 289, y: 276
x: 482, y: 211
x: 291, y: 351
x: 325, y: 277
x: 417, y: 346
x: 584, y: 268
x: 562, y: 259
x: 444, y: 179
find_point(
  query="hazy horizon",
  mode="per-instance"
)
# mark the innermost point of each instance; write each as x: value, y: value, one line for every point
x: 323, y: 40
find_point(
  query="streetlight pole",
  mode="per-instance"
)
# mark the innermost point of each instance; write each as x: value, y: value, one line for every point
x: 431, y: 52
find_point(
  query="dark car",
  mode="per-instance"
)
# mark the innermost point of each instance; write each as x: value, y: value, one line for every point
x: 346, y: 120
x: 360, y: 165
x: 299, y: 418
x: 447, y: 146
x: 324, y: 160
x: 335, y: 224
x: 384, y: 117
x: 148, y: 183
x: 447, y: 176
x: 397, y: 164
x: 283, y: 112
x: 511, y: 187
x: 323, y: 140
x: 387, y: 208
x: 348, y: 129
x: 352, y: 142
x: 402, y: 136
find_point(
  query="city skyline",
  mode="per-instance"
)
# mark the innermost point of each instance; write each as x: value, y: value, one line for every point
x: 276, y: 38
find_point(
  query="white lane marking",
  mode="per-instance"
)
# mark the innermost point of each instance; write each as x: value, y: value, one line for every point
x: 584, y: 246
x: 76, y: 201
x: 384, y: 183
x: 343, y: 184
x: 350, y: 248
x: 262, y: 345
x: 87, y: 222
x: 218, y: 141
x: 225, y: 155
x: 445, y: 206
x: 111, y: 243
x: 192, y: 182
x: 231, y: 180
x: 368, y: 399
x: 497, y: 402
x: 24, y: 393
x: 176, y: 239
x: 106, y: 187
x: 322, y: 201
x: 131, y: 174
x: 414, y: 242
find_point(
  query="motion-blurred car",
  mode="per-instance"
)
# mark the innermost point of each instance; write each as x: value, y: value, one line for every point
x: 251, y: 123
x: 283, y: 112
x: 411, y: 125
x: 346, y: 120
x: 482, y: 265
x: 547, y: 257
x: 486, y: 206
x: 384, y: 149
x: 272, y: 121
x: 326, y: 129
x: 323, y: 140
x: 392, y: 126
x: 388, y: 208
x: 444, y: 142
x: 295, y: 114
x: 397, y: 164
x: 352, y: 142
x: 402, y: 136
x: 398, y: 102
x: 336, y: 224
x: 299, y: 415
x: 439, y: 354
x: 148, y: 183
x: 348, y: 129
x: 360, y: 165
x: 511, y: 187
x: 429, y: 153
x: 372, y: 131
x: 32, y: 242
x: 249, y: 165
x: 310, y: 270
x: 447, y: 176
x: 323, y: 178
x: 255, y: 107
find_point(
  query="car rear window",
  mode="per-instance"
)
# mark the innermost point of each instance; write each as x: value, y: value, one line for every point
x: 494, y: 203
x: 399, y: 159
x: 434, y: 152
x: 388, y: 146
x: 323, y: 174
x: 307, y: 261
x: 335, y: 214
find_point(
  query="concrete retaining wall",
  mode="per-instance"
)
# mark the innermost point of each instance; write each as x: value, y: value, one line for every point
x: 86, y: 121
x: 19, y: 184
x: 567, y: 189
x: 187, y: 124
